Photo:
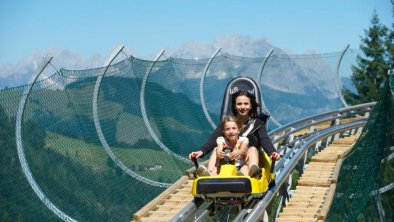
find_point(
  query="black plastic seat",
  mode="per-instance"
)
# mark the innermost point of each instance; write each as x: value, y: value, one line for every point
x: 237, y: 84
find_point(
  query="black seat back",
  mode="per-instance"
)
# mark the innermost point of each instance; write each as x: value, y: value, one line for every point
x: 235, y: 85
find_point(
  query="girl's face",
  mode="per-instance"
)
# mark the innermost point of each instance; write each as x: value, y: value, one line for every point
x: 243, y: 105
x: 231, y: 131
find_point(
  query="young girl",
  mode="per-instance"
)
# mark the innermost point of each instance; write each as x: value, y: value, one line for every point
x: 238, y: 147
x: 244, y: 106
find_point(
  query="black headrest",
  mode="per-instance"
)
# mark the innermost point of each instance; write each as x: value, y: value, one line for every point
x: 235, y: 85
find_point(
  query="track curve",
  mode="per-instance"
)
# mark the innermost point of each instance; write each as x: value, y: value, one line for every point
x: 321, y: 132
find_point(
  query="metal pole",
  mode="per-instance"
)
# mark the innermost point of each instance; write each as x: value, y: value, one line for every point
x: 204, y: 108
x: 21, y: 154
x: 145, y: 116
x: 263, y: 106
x: 263, y: 65
x: 100, y: 133
x: 337, y: 80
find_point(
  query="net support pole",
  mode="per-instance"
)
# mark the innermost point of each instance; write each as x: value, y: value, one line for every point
x: 21, y: 154
x: 202, y: 98
x: 96, y: 91
x: 100, y: 133
x: 337, y: 79
x: 259, y: 82
x: 145, y: 116
x: 263, y: 65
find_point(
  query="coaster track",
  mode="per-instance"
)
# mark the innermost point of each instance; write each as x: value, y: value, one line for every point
x: 329, y: 136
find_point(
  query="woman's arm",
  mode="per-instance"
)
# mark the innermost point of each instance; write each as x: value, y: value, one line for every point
x: 211, y: 142
x: 263, y: 138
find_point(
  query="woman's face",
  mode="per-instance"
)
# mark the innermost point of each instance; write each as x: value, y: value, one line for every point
x: 231, y: 131
x: 243, y: 105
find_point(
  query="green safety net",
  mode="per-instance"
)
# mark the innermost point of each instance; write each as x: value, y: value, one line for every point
x: 95, y: 147
x: 365, y: 187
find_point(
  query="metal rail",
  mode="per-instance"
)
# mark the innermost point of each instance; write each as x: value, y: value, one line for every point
x: 343, y: 112
x: 259, y: 209
x: 291, y: 157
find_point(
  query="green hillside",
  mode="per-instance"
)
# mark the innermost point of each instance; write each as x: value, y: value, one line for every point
x: 71, y: 166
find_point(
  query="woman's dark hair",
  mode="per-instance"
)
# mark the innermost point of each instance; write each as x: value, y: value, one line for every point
x: 253, y: 111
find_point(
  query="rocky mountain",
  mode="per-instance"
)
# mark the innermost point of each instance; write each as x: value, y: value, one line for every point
x: 12, y: 75
x: 302, y: 76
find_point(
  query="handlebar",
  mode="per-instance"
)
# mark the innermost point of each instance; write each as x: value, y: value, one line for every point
x: 194, y: 159
x: 227, y: 150
x: 273, y: 160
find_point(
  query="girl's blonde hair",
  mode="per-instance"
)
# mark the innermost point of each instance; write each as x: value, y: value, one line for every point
x: 227, y: 119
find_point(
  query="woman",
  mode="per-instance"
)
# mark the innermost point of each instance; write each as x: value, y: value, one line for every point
x: 245, y: 109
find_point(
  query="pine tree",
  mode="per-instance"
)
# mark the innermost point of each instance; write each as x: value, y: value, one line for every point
x: 389, y: 43
x: 370, y: 71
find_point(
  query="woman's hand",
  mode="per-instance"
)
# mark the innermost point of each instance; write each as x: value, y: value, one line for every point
x: 275, y: 156
x: 196, y: 154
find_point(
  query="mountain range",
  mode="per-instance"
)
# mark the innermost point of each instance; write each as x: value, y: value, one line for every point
x: 292, y: 76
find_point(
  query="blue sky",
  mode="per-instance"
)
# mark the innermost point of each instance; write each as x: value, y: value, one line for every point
x: 145, y: 26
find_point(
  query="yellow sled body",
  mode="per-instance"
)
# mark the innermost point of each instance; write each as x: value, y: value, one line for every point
x: 228, y: 184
